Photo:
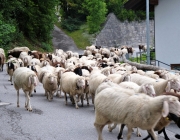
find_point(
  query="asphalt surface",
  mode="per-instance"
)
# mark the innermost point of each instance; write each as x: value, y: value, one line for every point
x: 52, y: 120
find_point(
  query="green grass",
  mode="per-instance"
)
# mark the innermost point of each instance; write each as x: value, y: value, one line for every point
x: 80, y: 37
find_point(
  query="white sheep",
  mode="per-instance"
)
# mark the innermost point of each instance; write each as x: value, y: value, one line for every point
x: 27, y: 59
x: 160, y: 85
x: 147, y: 89
x: 95, y: 80
x: 24, y: 49
x: 134, y: 110
x: 73, y: 85
x: 35, y: 61
x: 27, y: 80
x: 118, y: 78
x: 50, y: 84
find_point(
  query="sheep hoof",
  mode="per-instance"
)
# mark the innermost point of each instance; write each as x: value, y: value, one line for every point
x: 77, y: 107
x: 139, y: 135
x: 11, y: 84
x: 57, y: 95
x: 120, y: 137
x: 17, y: 105
x: 31, y: 95
x: 30, y: 109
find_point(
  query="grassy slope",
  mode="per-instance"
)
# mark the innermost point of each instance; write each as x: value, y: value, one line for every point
x: 80, y: 37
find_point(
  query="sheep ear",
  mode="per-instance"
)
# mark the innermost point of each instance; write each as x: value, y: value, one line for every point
x: 29, y: 83
x: 144, y: 88
x: 165, y: 110
x: 168, y: 87
x: 35, y: 81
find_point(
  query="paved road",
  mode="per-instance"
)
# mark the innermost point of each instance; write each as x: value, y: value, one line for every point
x: 50, y: 120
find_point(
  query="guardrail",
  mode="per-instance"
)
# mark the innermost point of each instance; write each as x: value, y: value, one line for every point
x: 158, y: 62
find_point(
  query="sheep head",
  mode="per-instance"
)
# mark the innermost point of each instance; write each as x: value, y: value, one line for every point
x: 32, y: 80
x: 149, y: 89
x: 173, y: 84
x: 80, y: 83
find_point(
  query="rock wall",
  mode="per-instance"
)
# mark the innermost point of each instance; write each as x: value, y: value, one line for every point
x: 117, y: 33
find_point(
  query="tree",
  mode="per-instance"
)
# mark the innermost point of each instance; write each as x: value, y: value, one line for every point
x: 96, y: 14
x: 6, y: 32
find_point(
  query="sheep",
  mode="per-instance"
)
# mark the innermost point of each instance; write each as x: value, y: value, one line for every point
x: 27, y: 80
x: 143, y: 47
x: 118, y: 78
x: 50, y: 84
x: 145, y: 88
x: 27, y: 59
x: 34, y: 54
x: 58, y: 72
x: 2, y: 60
x: 86, y: 89
x: 73, y: 85
x: 2, y: 51
x: 163, y: 122
x: 25, y: 49
x: 94, y: 81
x: 12, y: 65
x: 35, y: 61
x: 134, y: 110
x: 17, y: 50
x: 160, y: 85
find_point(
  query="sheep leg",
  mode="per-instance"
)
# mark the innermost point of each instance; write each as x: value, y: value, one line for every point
x: 111, y: 128
x: 87, y: 98
x: 129, y: 133
x: 153, y: 135
x: 27, y: 103
x: 11, y: 80
x: 120, y: 136
x: 57, y: 93
x: 82, y: 100
x: 25, y: 100
x: 138, y: 133
x: 92, y: 99
x: 17, y: 98
x: 146, y: 138
x: 165, y: 135
x: 99, y: 129
x: 65, y: 96
x: 75, y: 100
x: 100, y: 122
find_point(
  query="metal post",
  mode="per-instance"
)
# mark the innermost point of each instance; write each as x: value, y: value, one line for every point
x: 147, y: 31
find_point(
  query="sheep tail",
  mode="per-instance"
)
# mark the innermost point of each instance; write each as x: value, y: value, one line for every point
x: 29, y: 83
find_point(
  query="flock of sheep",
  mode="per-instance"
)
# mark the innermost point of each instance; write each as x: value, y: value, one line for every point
x: 121, y: 93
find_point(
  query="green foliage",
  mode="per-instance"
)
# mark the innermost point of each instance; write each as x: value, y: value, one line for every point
x: 46, y: 47
x: 71, y: 24
x: 26, y: 22
x: 96, y: 14
x: 6, y: 32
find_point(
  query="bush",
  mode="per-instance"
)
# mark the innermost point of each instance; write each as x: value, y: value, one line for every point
x: 46, y: 47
